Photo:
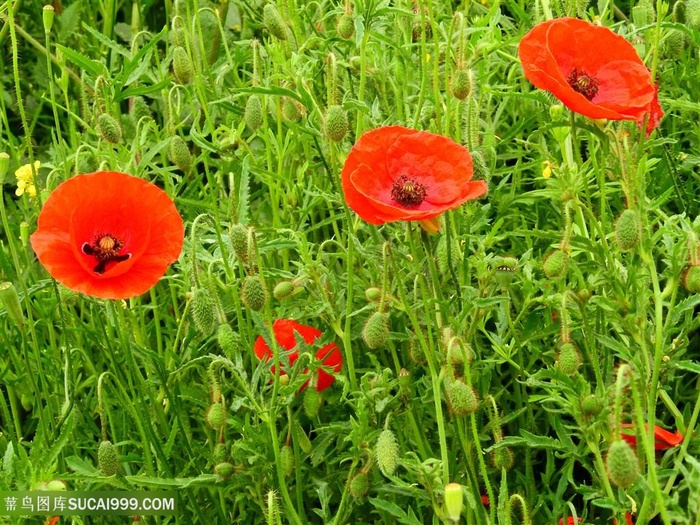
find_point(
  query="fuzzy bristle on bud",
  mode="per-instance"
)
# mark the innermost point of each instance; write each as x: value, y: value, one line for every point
x: 345, y: 26
x: 182, y: 65
x: 590, y: 405
x: 358, y: 487
x: 254, y: 293
x: 291, y: 109
x: 335, y: 124
x: 461, y: 398
x: 287, y: 460
x: 216, y: 415
x: 179, y: 153
x: 502, y: 458
x: 221, y: 452
x: 253, y: 114
x: 569, y: 359
x: 283, y: 289
x: 273, y: 21
x: 444, y: 258
x: 691, y: 279
x: 108, y: 128
x: 375, y: 333
x: 461, y: 84
x: 622, y: 464
x: 556, y: 264
x: 224, y: 470
x: 203, y: 311
x: 108, y: 459
x: 239, y: 241
x: 387, y: 451
x: 312, y: 402
x: 628, y: 230
x: 228, y: 340
x: 140, y: 109
x: 453, y: 501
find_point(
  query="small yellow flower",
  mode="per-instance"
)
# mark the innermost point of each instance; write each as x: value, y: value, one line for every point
x: 25, y: 179
x: 547, y: 171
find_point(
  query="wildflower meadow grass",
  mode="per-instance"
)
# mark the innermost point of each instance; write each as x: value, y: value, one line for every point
x: 352, y: 261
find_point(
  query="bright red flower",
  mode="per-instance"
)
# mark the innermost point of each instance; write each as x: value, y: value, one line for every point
x: 107, y: 234
x: 628, y: 519
x: 399, y: 174
x: 284, y: 330
x: 570, y: 521
x: 663, y: 439
x: 592, y: 70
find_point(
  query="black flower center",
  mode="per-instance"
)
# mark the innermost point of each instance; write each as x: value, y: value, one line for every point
x: 407, y: 192
x: 105, y: 248
x: 583, y: 83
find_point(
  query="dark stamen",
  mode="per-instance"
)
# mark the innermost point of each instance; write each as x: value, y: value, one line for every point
x: 408, y: 192
x: 583, y: 83
x: 105, y: 249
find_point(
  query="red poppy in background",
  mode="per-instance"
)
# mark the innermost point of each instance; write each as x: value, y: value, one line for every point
x: 663, y: 439
x: 591, y: 70
x: 107, y: 234
x: 399, y: 174
x: 284, y: 330
x: 570, y: 521
x: 628, y: 519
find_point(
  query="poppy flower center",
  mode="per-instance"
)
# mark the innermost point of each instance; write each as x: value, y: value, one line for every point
x: 105, y: 248
x: 408, y: 192
x: 583, y: 83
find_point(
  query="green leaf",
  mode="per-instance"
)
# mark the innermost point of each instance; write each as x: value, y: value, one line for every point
x: 395, y: 510
x: 111, y: 44
x: 204, y: 479
x: 688, y: 366
x: 93, y: 67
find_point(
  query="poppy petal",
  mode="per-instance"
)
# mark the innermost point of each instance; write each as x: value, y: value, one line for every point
x: 331, y: 357
x: 86, y: 207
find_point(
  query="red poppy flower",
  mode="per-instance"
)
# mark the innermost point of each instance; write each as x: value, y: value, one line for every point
x: 663, y: 439
x: 284, y: 330
x: 592, y: 70
x: 570, y: 521
x: 399, y: 174
x: 107, y: 234
x: 628, y: 519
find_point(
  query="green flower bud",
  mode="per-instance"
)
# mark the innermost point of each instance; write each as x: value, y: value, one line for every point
x: 622, y: 464
x: 461, y: 398
x: 47, y: 15
x: 336, y: 123
x: 590, y: 405
x: 224, y: 470
x: 691, y: 279
x: 345, y: 26
x: 253, y: 114
x: 502, y: 458
x: 461, y: 84
x: 569, y: 359
x: 556, y: 264
x: 239, y: 241
x: 216, y: 415
x: 254, y: 293
x: 273, y: 21
x: 283, y: 290
x: 287, y: 460
x: 221, y: 452
x: 108, y: 459
x: 108, y: 128
x: 387, y: 452
x: 179, y: 154
x: 375, y: 333
x: 203, y: 312
x: 228, y: 340
x: 9, y: 299
x: 312, y: 402
x: 453, y: 501
x: 182, y: 65
x: 628, y: 230
x: 359, y: 485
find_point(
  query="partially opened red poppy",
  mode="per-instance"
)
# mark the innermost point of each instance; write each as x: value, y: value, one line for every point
x: 107, y: 234
x: 399, y: 174
x: 284, y: 331
x: 592, y: 70
x: 663, y: 439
